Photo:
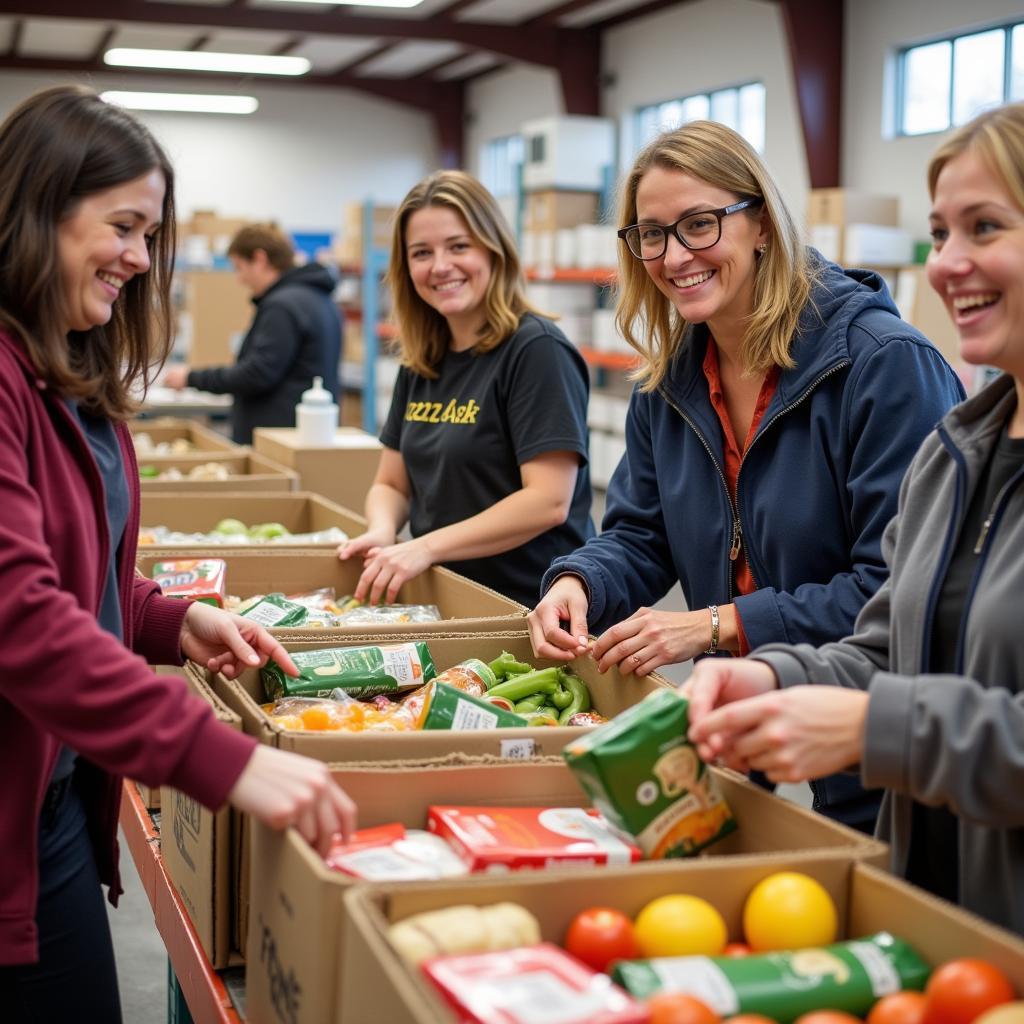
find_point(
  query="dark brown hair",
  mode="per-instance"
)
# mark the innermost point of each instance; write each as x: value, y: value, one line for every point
x: 58, y: 147
x: 268, y: 237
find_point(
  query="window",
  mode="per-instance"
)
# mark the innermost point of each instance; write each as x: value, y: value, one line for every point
x: 741, y: 108
x: 500, y: 160
x: 946, y: 82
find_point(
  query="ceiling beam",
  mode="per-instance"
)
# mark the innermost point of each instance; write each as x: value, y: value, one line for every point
x: 377, y: 51
x: 429, y: 72
x: 652, y: 7
x: 579, y: 70
x: 104, y: 44
x: 17, y: 30
x: 551, y: 17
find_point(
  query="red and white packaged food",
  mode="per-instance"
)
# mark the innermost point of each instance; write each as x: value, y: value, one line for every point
x: 390, y: 853
x: 532, y: 985
x: 200, y: 579
x: 504, y: 838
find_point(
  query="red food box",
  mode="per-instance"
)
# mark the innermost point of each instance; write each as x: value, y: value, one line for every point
x: 199, y: 579
x: 500, y: 838
x: 532, y: 985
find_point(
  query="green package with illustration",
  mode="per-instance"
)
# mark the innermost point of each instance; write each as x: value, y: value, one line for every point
x: 450, y: 708
x: 849, y: 976
x: 359, y: 671
x: 275, y: 611
x: 645, y: 777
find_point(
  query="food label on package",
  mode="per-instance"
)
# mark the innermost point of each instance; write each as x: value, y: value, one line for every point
x: 199, y: 579
x: 538, y: 997
x: 448, y: 708
x: 275, y: 610
x: 518, y: 750
x: 700, y: 977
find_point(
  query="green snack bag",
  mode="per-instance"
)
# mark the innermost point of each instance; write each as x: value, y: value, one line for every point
x: 449, y: 708
x: 359, y: 671
x: 274, y: 611
x: 848, y: 976
x: 645, y: 777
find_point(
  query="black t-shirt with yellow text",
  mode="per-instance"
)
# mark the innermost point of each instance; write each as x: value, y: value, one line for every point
x: 464, y: 436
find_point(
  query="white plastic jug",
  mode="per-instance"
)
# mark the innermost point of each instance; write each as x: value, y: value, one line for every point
x: 316, y: 416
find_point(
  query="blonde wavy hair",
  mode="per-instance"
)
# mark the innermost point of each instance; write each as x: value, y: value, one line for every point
x: 997, y: 136
x: 423, y: 333
x: 713, y: 153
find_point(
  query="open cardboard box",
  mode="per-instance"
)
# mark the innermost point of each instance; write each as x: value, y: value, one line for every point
x: 298, y: 512
x: 247, y: 471
x: 205, y: 441
x: 868, y: 901
x: 611, y: 693
x: 199, y: 849
x: 463, y: 603
x: 297, y: 956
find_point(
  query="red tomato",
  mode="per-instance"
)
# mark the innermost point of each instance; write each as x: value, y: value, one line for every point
x: 599, y: 935
x: 828, y: 1017
x: 737, y: 949
x: 676, y: 1008
x: 961, y: 990
x: 899, y: 1008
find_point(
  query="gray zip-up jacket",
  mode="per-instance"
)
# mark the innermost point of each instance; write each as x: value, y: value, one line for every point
x: 953, y: 740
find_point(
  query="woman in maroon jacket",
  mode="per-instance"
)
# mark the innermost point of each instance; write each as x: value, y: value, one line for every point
x: 86, y: 251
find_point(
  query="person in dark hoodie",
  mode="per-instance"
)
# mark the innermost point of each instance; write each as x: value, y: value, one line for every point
x: 780, y: 400
x: 295, y: 336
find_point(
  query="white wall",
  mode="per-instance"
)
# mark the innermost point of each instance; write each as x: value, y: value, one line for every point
x: 875, y: 30
x: 297, y: 160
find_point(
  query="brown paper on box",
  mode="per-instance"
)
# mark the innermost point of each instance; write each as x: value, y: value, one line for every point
x: 247, y: 471
x: 551, y: 209
x: 221, y: 309
x: 197, y: 851
x: 845, y: 206
x: 296, y: 913
x: 465, y: 604
x: 173, y: 428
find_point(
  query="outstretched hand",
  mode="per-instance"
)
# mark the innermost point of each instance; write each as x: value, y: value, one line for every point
x: 227, y: 643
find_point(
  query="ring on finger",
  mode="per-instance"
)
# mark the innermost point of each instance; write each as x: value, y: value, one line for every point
x: 635, y: 658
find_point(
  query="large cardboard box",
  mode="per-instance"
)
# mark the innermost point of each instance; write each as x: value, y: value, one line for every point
x: 846, y: 206
x: 219, y: 310
x: 247, y: 471
x: 349, y: 247
x: 204, y: 441
x: 197, y: 846
x: 465, y: 605
x: 868, y: 901
x: 299, y: 512
x: 295, y: 926
x: 611, y: 693
x: 341, y: 472
x: 552, y: 209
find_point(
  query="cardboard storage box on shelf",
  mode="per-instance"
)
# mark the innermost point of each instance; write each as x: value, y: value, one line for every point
x: 551, y: 209
x: 349, y: 246
x: 220, y: 310
x: 567, y: 152
x: 868, y: 901
x: 341, y: 472
x: 862, y: 245
x: 611, y: 693
x: 298, y: 512
x: 204, y: 441
x: 846, y: 206
x: 247, y: 471
x: 198, y: 847
x: 463, y: 603
x: 296, y: 913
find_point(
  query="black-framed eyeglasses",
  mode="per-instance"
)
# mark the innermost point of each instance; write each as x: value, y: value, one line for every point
x: 699, y: 230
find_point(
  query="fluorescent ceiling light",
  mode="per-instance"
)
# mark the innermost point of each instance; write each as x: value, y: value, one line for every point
x: 201, y: 60
x: 357, y: 3
x: 189, y: 102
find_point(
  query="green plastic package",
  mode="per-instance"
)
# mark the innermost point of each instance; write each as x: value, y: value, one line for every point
x: 359, y: 671
x: 449, y: 708
x: 274, y: 611
x: 848, y: 976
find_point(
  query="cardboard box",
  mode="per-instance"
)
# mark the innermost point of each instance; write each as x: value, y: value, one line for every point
x: 348, y: 248
x: 150, y: 796
x: 846, y: 206
x: 868, y: 901
x: 552, y: 210
x: 464, y: 604
x: 568, y: 152
x: 299, y: 512
x: 197, y: 849
x: 342, y: 472
x: 862, y: 245
x: 611, y: 693
x: 205, y: 441
x: 296, y: 926
x: 247, y: 471
x: 220, y: 310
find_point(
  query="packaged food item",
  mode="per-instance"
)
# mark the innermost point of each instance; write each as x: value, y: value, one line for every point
x: 359, y: 671
x: 383, y: 614
x: 848, y: 976
x: 504, y: 838
x: 390, y: 853
x: 276, y: 611
x: 464, y: 929
x: 530, y: 984
x: 322, y: 598
x: 643, y: 774
x: 200, y: 579
x: 445, y: 707
x: 340, y: 711
x: 472, y: 676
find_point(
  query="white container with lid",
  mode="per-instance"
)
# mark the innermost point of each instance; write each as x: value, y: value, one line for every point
x: 316, y: 416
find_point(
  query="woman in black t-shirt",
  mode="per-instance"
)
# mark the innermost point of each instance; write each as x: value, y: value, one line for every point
x: 485, y: 446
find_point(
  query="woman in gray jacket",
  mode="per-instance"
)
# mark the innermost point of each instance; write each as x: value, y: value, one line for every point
x: 927, y: 697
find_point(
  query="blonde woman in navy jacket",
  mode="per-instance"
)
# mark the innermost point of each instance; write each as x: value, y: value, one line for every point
x: 780, y: 401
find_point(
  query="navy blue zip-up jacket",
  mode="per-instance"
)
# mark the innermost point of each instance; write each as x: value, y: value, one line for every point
x: 816, y: 487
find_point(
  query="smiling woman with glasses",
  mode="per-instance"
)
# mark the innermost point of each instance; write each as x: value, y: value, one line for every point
x: 779, y: 401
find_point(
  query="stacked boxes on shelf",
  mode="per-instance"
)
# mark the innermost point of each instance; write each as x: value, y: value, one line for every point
x: 857, y: 230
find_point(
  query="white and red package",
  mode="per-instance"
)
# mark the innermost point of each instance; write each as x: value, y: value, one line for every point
x: 390, y: 853
x: 503, y: 838
x: 531, y: 985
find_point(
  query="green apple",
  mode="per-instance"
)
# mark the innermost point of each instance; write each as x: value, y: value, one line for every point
x: 268, y: 531
x: 230, y: 526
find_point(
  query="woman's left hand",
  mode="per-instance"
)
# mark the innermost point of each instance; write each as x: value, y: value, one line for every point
x: 386, y: 569
x: 650, y: 638
x: 227, y: 643
x: 800, y: 733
